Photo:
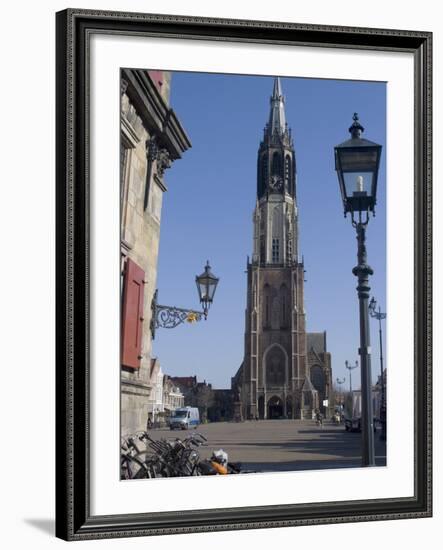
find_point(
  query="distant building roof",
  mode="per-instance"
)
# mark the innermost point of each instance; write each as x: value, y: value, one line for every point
x: 224, y: 391
x: 316, y: 341
x: 186, y: 381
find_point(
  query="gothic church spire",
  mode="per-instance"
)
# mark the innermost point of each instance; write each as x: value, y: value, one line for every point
x: 277, y: 117
x: 276, y: 155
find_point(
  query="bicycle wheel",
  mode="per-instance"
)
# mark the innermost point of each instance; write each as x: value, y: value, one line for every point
x: 148, y: 466
x: 138, y: 466
x: 124, y: 469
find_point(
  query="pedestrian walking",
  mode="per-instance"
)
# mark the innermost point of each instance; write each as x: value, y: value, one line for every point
x: 319, y: 418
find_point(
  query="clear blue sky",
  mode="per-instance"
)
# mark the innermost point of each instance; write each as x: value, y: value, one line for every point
x: 207, y: 214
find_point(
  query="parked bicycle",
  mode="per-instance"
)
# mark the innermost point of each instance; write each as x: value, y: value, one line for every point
x: 144, y: 457
x: 135, y: 459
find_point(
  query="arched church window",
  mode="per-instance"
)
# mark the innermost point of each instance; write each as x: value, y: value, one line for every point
x: 266, y: 306
x: 275, y: 311
x: 265, y: 165
x: 284, y: 306
x: 275, y: 367
x: 264, y: 172
x: 318, y: 378
x: 276, y: 164
x: 262, y: 249
x: 275, y: 251
x: 259, y: 176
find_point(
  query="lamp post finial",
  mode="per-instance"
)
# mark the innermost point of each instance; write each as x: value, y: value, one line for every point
x: 356, y: 128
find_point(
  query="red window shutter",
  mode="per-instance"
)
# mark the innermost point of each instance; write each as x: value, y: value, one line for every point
x: 157, y: 78
x: 132, y: 315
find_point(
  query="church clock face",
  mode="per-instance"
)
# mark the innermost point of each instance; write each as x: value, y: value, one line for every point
x: 276, y: 183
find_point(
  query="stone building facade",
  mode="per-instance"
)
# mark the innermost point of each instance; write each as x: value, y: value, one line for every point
x: 274, y: 380
x: 196, y: 394
x: 172, y: 396
x: 164, y: 398
x: 222, y: 406
x: 187, y: 385
x: 214, y: 405
x: 152, y: 138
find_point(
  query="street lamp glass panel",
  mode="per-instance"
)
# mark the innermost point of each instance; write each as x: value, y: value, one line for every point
x: 203, y: 291
x: 358, y: 182
x: 357, y: 162
x: 206, y: 285
x: 206, y: 289
x: 357, y: 172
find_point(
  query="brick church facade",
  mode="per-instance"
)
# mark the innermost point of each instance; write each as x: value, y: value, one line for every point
x: 286, y: 372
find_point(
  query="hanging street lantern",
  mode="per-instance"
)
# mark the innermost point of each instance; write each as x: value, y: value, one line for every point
x: 171, y: 316
x: 206, y: 285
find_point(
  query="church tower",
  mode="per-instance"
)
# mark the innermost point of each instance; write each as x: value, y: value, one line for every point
x: 274, y: 379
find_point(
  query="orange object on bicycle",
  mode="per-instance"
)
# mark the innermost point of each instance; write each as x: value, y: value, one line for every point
x: 219, y: 468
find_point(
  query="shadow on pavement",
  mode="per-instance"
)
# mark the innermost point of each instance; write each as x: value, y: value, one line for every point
x: 337, y: 449
x: 298, y: 465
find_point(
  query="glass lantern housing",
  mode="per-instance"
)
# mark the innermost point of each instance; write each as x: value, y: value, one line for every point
x: 206, y: 286
x: 357, y: 162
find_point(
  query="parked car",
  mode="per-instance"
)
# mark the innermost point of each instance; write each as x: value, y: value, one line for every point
x: 354, y: 424
x: 184, y: 418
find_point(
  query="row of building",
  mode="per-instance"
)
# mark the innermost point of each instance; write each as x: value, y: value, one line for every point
x: 164, y: 398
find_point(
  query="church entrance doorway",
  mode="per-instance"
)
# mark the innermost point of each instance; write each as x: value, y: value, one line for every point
x: 261, y: 407
x: 275, y: 407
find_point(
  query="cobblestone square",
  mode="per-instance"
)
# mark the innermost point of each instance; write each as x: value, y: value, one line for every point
x: 283, y: 445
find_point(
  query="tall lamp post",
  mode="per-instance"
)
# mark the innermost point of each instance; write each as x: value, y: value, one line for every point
x: 171, y: 316
x: 379, y: 316
x: 350, y: 369
x: 357, y: 162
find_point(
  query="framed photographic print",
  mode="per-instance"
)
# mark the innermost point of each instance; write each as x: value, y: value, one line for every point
x: 243, y: 274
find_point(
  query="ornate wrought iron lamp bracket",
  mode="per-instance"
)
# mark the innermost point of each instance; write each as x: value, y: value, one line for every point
x: 170, y: 316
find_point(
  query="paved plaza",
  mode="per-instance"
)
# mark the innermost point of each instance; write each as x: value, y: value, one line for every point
x: 282, y: 445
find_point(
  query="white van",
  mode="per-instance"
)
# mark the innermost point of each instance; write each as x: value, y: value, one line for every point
x: 184, y: 418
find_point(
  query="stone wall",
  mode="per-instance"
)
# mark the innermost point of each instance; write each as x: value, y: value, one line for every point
x: 151, y: 139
